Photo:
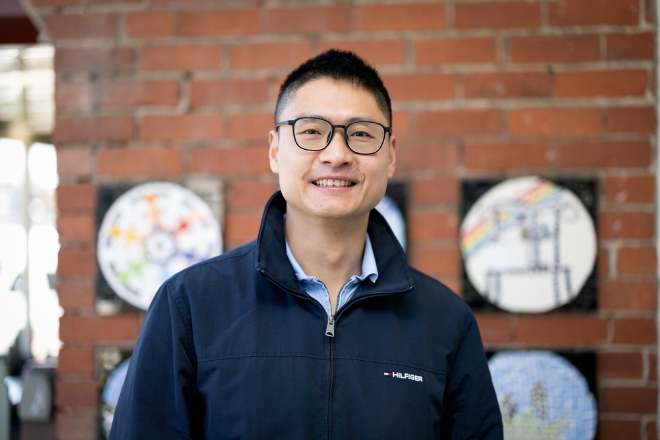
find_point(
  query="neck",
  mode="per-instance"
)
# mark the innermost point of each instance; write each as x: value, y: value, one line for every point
x: 329, y: 249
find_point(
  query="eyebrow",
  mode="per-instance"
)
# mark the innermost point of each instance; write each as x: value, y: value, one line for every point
x: 350, y: 120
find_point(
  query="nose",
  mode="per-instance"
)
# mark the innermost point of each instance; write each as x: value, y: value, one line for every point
x: 337, y: 152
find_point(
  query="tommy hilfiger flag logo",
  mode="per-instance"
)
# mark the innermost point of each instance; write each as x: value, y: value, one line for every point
x: 405, y: 376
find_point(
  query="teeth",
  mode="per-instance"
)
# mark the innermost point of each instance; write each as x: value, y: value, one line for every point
x: 333, y: 182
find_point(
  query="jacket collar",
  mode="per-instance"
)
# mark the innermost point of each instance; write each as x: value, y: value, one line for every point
x: 271, y: 261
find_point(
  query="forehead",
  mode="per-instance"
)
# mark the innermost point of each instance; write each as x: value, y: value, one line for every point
x: 333, y: 99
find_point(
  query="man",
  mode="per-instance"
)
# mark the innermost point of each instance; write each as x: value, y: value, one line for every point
x: 318, y: 329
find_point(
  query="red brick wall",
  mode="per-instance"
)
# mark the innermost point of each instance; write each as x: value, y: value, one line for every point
x: 171, y: 89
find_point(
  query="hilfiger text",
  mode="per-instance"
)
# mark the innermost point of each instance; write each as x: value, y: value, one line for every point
x: 405, y: 376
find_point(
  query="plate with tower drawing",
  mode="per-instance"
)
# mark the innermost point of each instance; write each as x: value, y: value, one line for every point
x: 528, y: 245
x: 542, y: 396
x: 151, y: 232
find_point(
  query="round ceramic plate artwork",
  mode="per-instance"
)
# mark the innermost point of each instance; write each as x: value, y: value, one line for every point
x: 528, y: 245
x: 152, y: 232
x: 388, y: 209
x: 542, y: 396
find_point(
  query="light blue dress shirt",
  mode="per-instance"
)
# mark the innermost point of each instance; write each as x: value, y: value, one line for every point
x: 317, y: 290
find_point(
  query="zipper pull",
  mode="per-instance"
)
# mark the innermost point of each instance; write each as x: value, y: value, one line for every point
x: 330, y: 328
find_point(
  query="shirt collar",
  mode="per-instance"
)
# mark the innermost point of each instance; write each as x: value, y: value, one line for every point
x: 369, y: 268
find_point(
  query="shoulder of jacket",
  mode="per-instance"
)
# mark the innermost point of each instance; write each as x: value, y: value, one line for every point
x: 429, y: 286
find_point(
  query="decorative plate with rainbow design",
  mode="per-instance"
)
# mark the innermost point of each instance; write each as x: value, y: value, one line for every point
x: 528, y: 245
x: 152, y: 232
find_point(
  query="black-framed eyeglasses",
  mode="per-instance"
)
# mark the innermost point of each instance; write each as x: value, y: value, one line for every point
x: 315, y: 134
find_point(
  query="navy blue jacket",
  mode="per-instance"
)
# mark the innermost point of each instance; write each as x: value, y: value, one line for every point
x: 234, y: 348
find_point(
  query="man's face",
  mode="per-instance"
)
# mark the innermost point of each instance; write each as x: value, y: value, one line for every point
x: 301, y: 171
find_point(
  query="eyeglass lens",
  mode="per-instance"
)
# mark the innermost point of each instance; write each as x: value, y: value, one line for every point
x: 314, y: 134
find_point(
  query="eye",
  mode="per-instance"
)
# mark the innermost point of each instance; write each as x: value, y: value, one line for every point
x: 362, y: 134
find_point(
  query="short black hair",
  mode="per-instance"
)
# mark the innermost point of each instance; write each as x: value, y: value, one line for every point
x: 339, y: 65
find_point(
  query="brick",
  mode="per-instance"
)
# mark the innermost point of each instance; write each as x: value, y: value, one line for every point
x: 436, y: 260
x: 70, y: 262
x: 600, y: 83
x: 99, y: 328
x: 629, y: 400
x: 251, y: 126
x: 400, y: 123
x: 140, y: 162
x: 653, y: 368
x: 561, y: 330
x: 627, y: 295
x: 245, y: 194
x: 76, y: 229
x: 150, y: 24
x: 117, y: 328
x: 554, y: 121
x: 377, y: 52
x: 76, y: 426
x: 228, y: 91
x: 269, y: 55
x: 81, y: 197
x: 494, y: 328
x: 230, y: 160
x: 101, y: 59
x: 310, y: 19
x: 555, y: 49
x: 183, y: 127
x: 206, y: 22
x: 455, y: 50
x: 78, y: 26
x: 424, y: 226
x: 620, y: 365
x: 604, y: 154
x: 426, y: 157
x: 412, y: 16
x: 136, y: 93
x: 500, y: 15
x: 508, y: 156
x: 114, y: 2
x: 602, y: 262
x: 630, y: 189
x: 652, y: 430
x: 507, y: 85
x: 459, y: 122
x: 630, y: 46
x: 75, y: 162
x: 614, y: 224
x: 420, y: 86
x: 434, y: 190
x: 190, y: 57
x: 637, y: 260
x: 55, y: 3
x: 93, y: 128
x: 592, y: 12
x: 75, y: 96
x: 75, y: 361
x: 82, y: 394
x: 640, y: 331
x: 242, y: 227
x: 631, y: 120
x: 74, y: 295
x: 619, y: 429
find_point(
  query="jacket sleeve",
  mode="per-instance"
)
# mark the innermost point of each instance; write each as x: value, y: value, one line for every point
x: 159, y: 398
x: 471, y: 407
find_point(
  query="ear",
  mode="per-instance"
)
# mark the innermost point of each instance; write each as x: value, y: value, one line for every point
x: 273, y: 140
x: 392, y: 163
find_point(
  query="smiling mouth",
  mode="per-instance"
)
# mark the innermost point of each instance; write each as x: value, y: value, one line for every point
x: 333, y: 182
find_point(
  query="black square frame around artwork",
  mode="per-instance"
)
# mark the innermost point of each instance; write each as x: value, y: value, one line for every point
x: 583, y: 361
x: 586, y: 191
